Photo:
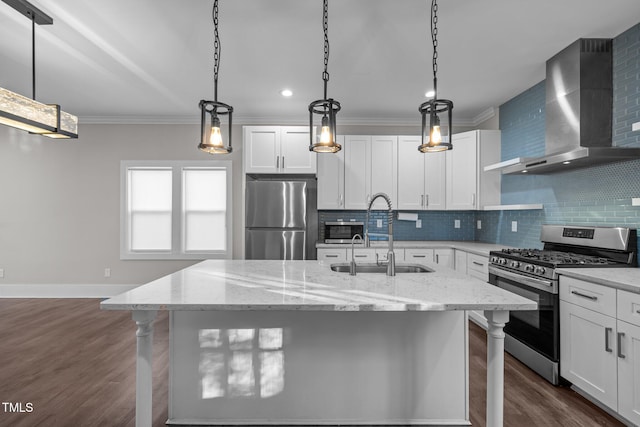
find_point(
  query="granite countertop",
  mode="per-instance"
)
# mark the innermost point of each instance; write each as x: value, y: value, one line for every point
x: 478, y: 248
x: 627, y: 279
x: 311, y: 285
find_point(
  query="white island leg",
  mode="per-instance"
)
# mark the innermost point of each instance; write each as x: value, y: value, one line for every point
x: 144, y: 375
x: 495, y: 366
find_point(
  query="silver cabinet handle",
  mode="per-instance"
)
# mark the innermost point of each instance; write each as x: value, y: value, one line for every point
x: 419, y: 256
x: 340, y: 201
x: 331, y: 256
x: 620, y: 336
x: 606, y: 339
x: 638, y: 311
x: 437, y: 259
x: 282, y: 162
x: 360, y: 256
x: 426, y: 200
x: 478, y: 263
x: 422, y: 200
x: 591, y: 297
x: 473, y: 199
x: 277, y: 162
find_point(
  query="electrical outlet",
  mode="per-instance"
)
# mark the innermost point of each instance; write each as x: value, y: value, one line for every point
x: 479, y: 225
x: 379, y: 223
x: 418, y: 223
x: 635, y: 126
x: 635, y: 201
x: 514, y: 226
x: 107, y: 272
x: 456, y: 223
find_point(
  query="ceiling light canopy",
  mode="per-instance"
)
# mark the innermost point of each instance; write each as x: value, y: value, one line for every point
x: 26, y: 113
x: 327, y: 108
x: 436, y: 136
x: 211, y: 140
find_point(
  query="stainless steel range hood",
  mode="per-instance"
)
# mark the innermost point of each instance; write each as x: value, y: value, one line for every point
x: 578, y: 112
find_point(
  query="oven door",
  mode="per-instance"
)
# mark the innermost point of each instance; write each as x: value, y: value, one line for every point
x: 539, y: 329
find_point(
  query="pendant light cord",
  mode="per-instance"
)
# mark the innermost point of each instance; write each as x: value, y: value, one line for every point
x: 33, y: 55
x: 325, y: 27
x: 216, y: 50
x: 434, y: 40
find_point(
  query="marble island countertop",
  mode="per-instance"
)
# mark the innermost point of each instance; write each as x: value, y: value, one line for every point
x: 311, y: 285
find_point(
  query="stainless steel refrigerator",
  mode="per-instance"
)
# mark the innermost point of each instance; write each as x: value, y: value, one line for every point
x: 281, y: 218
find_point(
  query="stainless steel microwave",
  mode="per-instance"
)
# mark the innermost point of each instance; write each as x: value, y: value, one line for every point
x: 342, y: 231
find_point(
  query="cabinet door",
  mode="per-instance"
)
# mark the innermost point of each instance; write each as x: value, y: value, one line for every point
x: 357, y: 162
x: 444, y: 257
x: 411, y: 171
x: 383, y: 169
x: 262, y: 149
x: 629, y: 371
x: 461, y: 261
x: 331, y: 178
x: 295, y: 156
x: 461, y: 171
x: 588, y: 352
x: 435, y: 180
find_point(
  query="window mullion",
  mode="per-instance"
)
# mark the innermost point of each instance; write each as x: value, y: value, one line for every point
x: 177, y: 212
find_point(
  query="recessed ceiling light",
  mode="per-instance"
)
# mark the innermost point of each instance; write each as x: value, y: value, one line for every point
x: 525, y: 171
x: 286, y: 93
x: 429, y: 94
x: 566, y: 162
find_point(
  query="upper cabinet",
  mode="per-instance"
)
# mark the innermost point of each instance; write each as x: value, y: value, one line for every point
x: 331, y: 178
x: 421, y: 177
x: 370, y: 168
x: 278, y: 149
x: 467, y: 186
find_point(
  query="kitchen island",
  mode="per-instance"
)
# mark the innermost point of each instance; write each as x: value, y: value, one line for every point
x: 293, y: 342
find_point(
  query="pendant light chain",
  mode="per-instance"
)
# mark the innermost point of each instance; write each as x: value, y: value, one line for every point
x: 434, y: 40
x: 216, y: 51
x: 325, y: 27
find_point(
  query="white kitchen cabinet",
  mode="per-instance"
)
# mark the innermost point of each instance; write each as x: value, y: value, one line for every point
x: 278, y: 149
x: 478, y: 266
x: 418, y: 256
x: 600, y: 344
x: 421, y: 176
x: 331, y: 178
x: 468, y: 187
x: 444, y: 257
x: 370, y: 168
x: 332, y: 255
x: 461, y: 261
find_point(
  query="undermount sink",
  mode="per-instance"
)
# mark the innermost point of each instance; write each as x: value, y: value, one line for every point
x: 375, y: 268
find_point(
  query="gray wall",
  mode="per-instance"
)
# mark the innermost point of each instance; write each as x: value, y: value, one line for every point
x: 60, y: 201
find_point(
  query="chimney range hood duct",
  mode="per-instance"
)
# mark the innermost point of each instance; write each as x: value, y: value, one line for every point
x: 578, y: 112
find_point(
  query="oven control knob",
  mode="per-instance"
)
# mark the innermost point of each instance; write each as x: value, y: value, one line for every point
x: 529, y: 268
x: 540, y: 270
x: 515, y: 264
x: 494, y: 259
x: 502, y: 261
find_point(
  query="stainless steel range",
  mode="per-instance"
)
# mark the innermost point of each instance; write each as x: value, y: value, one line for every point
x: 533, y: 337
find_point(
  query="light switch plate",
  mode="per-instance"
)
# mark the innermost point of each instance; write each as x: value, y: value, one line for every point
x: 635, y: 126
x: 379, y: 223
x: 479, y: 225
x: 456, y: 223
x: 514, y: 226
x: 419, y: 223
x: 635, y: 201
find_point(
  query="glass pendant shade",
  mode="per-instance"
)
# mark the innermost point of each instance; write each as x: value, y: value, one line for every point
x: 325, y: 141
x: 66, y: 126
x: 211, y: 140
x: 435, y: 135
x: 26, y: 114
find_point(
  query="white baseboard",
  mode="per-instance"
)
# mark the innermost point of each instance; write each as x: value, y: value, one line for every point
x: 478, y: 318
x: 63, y: 291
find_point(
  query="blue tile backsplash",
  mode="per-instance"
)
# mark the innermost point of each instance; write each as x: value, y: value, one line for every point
x: 599, y: 195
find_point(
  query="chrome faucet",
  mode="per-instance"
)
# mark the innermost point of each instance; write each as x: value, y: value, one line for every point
x: 352, y: 265
x: 391, y: 257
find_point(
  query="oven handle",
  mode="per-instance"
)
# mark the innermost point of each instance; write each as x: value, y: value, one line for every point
x: 543, y: 285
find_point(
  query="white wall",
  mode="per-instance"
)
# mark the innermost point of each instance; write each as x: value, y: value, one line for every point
x: 60, y: 201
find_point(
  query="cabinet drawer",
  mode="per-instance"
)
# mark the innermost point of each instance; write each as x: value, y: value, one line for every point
x: 478, y: 264
x: 418, y: 255
x: 588, y: 295
x: 362, y: 255
x: 332, y: 255
x: 629, y: 307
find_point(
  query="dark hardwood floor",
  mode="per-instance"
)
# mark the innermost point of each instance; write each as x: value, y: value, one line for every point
x: 76, y: 365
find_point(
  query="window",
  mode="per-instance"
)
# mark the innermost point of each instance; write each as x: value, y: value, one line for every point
x: 175, y: 210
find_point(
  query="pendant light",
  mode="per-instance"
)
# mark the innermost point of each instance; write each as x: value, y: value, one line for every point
x: 434, y: 138
x: 327, y: 108
x: 26, y: 113
x: 210, y: 133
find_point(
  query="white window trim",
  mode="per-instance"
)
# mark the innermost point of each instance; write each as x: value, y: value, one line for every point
x: 176, y: 252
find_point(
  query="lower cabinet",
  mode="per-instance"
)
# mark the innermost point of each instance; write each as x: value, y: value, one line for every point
x: 443, y: 256
x: 600, y: 344
x: 332, y: 255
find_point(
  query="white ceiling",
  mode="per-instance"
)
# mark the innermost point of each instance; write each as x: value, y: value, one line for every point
x: 123, y: 61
